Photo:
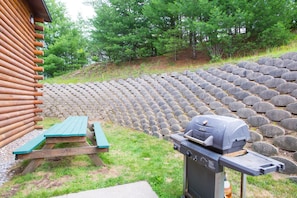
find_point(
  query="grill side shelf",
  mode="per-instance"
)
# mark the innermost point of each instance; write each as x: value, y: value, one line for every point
x: 252, y: 163
x: 177, y: 139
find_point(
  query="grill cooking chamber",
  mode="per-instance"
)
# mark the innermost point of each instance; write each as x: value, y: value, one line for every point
x: 219, y: 133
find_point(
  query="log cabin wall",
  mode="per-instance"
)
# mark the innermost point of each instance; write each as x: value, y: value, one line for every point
x: 21, y: 35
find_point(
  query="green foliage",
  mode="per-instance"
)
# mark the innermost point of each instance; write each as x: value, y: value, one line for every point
x: 133, y: 29
x: 265, y: 14
x: 52, y: 62
x: 120, y: 33
x: 163, y: 21
x: 276, y: 35
x: 223, y: 28
x: 65, y: 45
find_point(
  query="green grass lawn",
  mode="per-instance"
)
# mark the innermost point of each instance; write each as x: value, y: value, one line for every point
x: 133, y: 156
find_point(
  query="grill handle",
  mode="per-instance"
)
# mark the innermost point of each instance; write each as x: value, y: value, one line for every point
x: 207, y: 142
x: 269, y: 168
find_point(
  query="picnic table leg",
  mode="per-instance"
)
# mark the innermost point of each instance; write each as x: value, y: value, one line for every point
x: 34, y: 163
x: 91, y: 136
x: 94, y: 157
x: 97, y: 161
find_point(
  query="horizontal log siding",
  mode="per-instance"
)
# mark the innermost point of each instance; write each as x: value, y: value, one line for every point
x: 20, y: 43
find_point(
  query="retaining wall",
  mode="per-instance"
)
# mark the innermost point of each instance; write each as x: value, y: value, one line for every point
x: 262, y: 93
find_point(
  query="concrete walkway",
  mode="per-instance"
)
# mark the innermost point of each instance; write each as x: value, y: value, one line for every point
x: 134, y: 190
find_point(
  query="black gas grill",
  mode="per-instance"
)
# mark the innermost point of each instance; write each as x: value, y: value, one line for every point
x: 218, y: 133
x: 209, y: 144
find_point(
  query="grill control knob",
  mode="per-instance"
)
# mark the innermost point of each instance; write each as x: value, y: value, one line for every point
x: 189, y: 153
x: 204, y: 161
x: 175, y: 147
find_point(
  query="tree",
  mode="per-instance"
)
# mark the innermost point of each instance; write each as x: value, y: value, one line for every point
x: 64, y: 42
x: 125, y: 30
x: 120, y: 30
x: 163, y: 21
x: 225, y: 27
x: 275, y: 36
x: 194, y: 14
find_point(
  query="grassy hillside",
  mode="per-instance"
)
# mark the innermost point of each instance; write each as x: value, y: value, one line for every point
x: 103, y: 72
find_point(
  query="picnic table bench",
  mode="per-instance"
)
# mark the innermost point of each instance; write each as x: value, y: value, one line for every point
x: 72, y: 130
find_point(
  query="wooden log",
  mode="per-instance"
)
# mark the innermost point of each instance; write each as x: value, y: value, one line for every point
x: 10, y: 33
x: 38, y: 28
x: 15, y: 80
x: 16, y: 130
x: 38, y: 44
x: 38, y: 77
x: 7, y: 109
x: 8, y: 127
x: 7, y: 122
x: 39, y: 36
x: 38, y: 127
x: 16, y: 136
x: 15, y: 68
x: 7, y: 32
x: 19, y: 36
x: 7, y: 15
x: 38, y: 119
x: 38, y: 85
x: 38, y: 52
x: 16, y: 86
x: 20, y: 67
x: 22, y: 5
x: 16, y: 56
x: 7, y: 103
x: 18, y: 113
x: 38, y: 60
x: 17, y: 45
x: 19, y: 12
x: 4, y: 90
x: 15, y: 48
x: 15, y: 97
x: 38, y: 69
x: 9, y: 72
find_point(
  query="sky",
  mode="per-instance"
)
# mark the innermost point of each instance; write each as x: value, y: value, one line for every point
x: 76, y: 6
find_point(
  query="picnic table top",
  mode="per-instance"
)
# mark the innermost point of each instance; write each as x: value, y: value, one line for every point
x: 72, y: 126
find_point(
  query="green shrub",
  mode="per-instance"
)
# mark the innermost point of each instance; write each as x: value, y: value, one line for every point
x: 274, y: 36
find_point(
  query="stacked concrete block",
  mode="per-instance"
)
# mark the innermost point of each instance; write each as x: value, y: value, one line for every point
x: 261, y: 93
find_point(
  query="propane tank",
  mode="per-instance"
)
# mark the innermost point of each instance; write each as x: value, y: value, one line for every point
x: 227, y: 188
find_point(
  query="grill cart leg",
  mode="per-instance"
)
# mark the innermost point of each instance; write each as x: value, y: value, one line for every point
x: 185, y: 183
x: 243, y: 185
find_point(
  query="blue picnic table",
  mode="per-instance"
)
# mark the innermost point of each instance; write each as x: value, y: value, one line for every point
x: 72, y: 130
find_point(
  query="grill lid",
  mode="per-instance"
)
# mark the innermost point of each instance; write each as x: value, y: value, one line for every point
x: 219, y: 133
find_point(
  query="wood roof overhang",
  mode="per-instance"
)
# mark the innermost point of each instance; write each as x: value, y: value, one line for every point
x: 40, y: 10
